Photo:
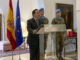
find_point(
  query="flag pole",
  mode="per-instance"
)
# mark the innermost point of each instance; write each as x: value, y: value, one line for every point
x: 12, y: 55
x: 19, y: 54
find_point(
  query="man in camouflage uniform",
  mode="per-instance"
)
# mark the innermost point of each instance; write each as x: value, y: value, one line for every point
x: 59, y: 35
x: 45, y: 21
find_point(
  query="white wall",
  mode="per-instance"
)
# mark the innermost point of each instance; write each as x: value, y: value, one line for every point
x: 50, y: 8
x: 78, y: 24
x: 41, y: 3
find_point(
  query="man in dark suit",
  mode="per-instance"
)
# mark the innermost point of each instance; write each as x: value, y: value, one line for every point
x: 33, y: 39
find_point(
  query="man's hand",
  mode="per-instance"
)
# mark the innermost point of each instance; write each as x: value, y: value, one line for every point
x: 35, y: 31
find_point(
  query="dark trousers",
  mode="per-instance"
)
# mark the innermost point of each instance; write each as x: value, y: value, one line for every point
x: 34, y: 52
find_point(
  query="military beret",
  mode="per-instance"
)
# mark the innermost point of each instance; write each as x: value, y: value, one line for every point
x: 41, y: 9
x: 58, y: 10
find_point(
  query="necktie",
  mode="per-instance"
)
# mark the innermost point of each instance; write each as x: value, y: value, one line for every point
x: 37, y: 21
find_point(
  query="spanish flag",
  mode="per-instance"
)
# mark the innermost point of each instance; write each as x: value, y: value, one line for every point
x: 10, y: 26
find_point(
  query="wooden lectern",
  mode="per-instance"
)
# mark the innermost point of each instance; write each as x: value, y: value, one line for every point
x: 47, y: 29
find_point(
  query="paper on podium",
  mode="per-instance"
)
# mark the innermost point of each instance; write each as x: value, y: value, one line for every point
x: 52, y: 28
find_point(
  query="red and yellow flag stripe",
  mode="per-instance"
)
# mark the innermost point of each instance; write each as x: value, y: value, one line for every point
x: 10, y: 26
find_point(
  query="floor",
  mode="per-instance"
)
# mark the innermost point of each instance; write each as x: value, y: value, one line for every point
x: 26, y: 56
x: 16, y: 57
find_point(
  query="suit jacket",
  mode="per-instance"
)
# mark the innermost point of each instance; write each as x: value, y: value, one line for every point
x: 33, y: 39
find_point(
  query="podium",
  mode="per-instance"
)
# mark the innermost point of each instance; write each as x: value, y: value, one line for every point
x: 47, y: 29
